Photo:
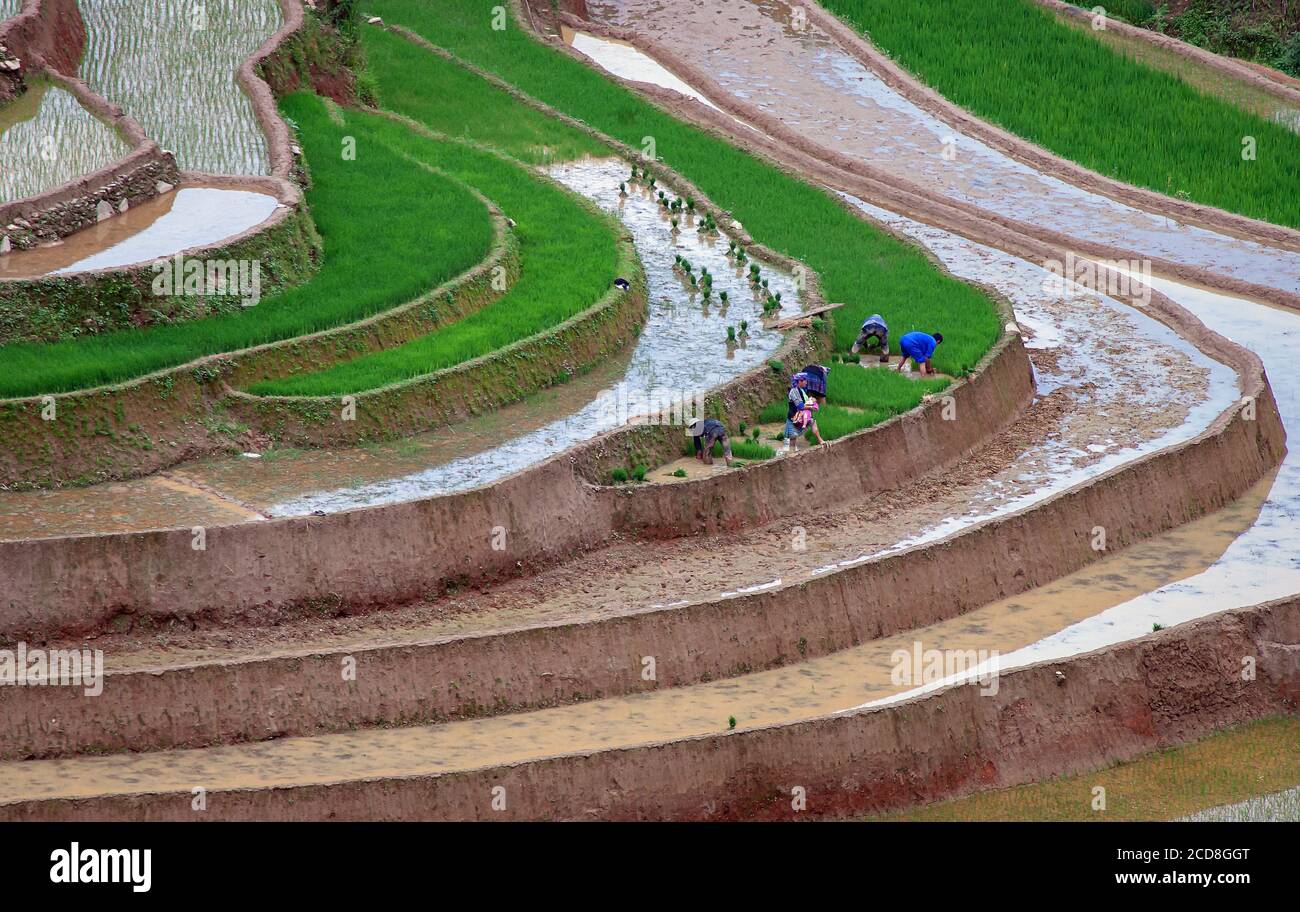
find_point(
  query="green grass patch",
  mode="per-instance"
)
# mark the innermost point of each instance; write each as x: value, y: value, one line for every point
x: 741, y: 448
x: 568, y: 256
x: 452, y: 100
x: 391, y: 231
x: 1227, y: 767
x: 865, y: 268
x: 873, y: 395
x: 881, y: 388
x: 1014, y: 64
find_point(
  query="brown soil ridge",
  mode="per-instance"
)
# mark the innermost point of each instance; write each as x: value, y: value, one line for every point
x: 1049, y: 718
x: 165, y: 407
x: 787, y: 148
x: 558, y: 662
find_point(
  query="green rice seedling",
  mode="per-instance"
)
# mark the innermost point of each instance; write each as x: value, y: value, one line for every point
x: 731, y: 334
x: 772, y: 412
x: 835, y: 422
x: 680, y: 473
x: 865, y: 268
x: 639, y: 472
x: 1050, y: 81
x: 432, y: 229
x: 722, y: 295
x: 618, y: 476
x: 877, y: 388
x: 776, y: 366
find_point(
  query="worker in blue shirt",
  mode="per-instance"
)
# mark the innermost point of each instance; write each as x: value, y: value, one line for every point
x: 919, y: 347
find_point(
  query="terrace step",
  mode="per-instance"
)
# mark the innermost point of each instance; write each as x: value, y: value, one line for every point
x: 731, y: 748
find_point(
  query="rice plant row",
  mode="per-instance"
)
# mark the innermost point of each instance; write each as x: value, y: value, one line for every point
x: 861, y: 266
x: 391, y: 231
x: 1014, y: 64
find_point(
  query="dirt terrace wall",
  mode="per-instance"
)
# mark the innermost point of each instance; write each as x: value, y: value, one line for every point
x: 150, y: 423
x: 1049, y: 719
x: 206, y: 704
x: 45, y: 33
x: 557, y: 663
x: 790, y: 150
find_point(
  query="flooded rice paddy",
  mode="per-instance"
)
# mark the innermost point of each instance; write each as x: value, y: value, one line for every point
x: 48, y: 139
x: 683, y: 346
x: 171, y: 65
x: 165, y: 225
x: 813, y: 86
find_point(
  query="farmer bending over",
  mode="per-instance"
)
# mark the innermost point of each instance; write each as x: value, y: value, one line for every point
x: 919, y: 347
x: 874, y: 329
x: 705, y: 432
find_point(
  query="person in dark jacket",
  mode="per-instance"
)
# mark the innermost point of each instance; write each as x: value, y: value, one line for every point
x: 873, y: 329
x: 818, y: 380
x: 705, y: 432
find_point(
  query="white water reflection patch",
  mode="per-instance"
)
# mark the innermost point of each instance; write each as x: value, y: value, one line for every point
x: 199, y: 216
x: 627, y: 62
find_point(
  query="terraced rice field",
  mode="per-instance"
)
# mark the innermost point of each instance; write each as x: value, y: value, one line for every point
x: 171, y: 65
x: 1016, y: 66
x: 1058, y: 582
x: 48, y: 139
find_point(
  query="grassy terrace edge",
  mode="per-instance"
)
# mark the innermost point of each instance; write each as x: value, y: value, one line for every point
x: 860, y: 265
x: 390, y: 232
x: 1081, y: 83
x: 569, y: 254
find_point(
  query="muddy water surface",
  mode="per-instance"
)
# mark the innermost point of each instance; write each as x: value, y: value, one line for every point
x: 47, y: 139
x: 810, y: 83
x: 171, y: 65
x: 165, y: 225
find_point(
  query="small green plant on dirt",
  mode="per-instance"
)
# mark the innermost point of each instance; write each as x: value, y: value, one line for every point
x: 639, y: 472
x: 619, y: 475
x: 731, y: 722
x: 776, y: 366
x: 1156, y: 627
x: 680, y: 473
